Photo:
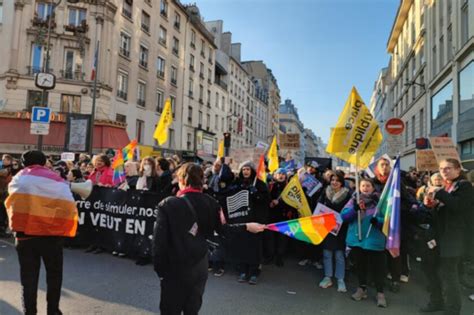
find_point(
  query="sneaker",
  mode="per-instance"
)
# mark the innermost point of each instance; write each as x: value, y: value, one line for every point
x: 395, y: 287
x: 404, y: 278
x: 253, y: 280
x: 303, y: 262
x: 341, y: 286
x: 114, y: 253
x: 381, y: 301
x: 418, y: 259
x: 318, y: 265
x: 325, y: 283
x: 122, y: 254
x: 360, y: 294
x: 389, y: 276
x: 219, y: 272
x: 242, y: 278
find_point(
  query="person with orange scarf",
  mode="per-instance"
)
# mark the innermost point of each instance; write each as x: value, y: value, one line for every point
x: 41, y: 212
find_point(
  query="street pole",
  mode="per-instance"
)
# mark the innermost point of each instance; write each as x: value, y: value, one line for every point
x: 94, y: 97
x: 46, y: 66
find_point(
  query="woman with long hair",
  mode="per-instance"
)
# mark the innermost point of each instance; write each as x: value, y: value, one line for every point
x: 147, y: 175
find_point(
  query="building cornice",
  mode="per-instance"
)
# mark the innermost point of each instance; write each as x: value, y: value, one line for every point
x: 402, y: 15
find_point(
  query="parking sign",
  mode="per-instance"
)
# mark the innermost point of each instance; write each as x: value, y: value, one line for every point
x: 41, y: 115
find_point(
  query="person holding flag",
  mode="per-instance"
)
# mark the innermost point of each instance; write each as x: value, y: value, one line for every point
x: 161, y: 131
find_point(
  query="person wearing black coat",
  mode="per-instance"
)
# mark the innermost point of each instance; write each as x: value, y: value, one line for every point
x: 335, y: 196
x: 250, y: 204
x: 183, y: 224
x: 455, y: 205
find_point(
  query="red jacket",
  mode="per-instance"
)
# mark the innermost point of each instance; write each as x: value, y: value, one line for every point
x: 103, y: 176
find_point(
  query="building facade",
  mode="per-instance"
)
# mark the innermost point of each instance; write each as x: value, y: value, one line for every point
x: 291, y: 123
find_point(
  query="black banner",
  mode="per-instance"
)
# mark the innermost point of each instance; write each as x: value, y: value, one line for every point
x: 118, y: 220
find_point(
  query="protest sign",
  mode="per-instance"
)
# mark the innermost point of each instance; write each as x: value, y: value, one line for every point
x: 290, y: 141
x: 426, y: 161
x: 311, y: 184
x: 247, y: 154
x: 444, y: 148
x: 118, y: 220
x: 321, y: 209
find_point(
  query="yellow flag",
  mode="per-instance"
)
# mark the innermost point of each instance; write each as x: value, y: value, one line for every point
x: 273, y: 156
x: 294, y: 196
x: 161, y: 131
x: 220, y: 152
x: 357, y: 135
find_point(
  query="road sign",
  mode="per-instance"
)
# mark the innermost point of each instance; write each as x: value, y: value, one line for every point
x: 41, y: 115
x: 39, y: 129
x: 394, y: 126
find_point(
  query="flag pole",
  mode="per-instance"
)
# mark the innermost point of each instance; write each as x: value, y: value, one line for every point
x: 359, y: 223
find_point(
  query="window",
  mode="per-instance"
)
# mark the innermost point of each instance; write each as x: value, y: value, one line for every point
x: 190, y: 114
x: 159, y: 101
x: 209, y: 98
x: 189, y: 142
x: 70, y: 103
x: 77, y: 17
x: 466, y: 89
x: 201, y: 92
x: 209, y: 76
x: 203, y: 48
x: 173, y: 104
x: 208, y: 121
x: 140, y: 131
x: 1, y: 11
x: 35, y: 98
x: 37, y: 57
x: 141, y: 94
x: 175, y: 46
x: 450, y: 43
x: 122, y: 85
x: 174, y: 75
x: 407, y: 132
x: 211, y: 51
x: 164, y: 8
x: 422, y: 122
x: 442, y: 107
x: 143, y: 56
x: 191, y: 62
x: 125, y: 44
x: 467, y: 147
x: 216, y: 122
x: 177, y: 20
x: 222, y: 123
x: 435, y: 61
x: 43, y: 10
x: 441, y: 52
x: 127, y: 8
x: 201, y: 70
x: 145, y: 22
x: 217, y: 100
x: 171, y: 138
x: 191, y: 87
x: 163, y: 36
x: 160, y: 67
x: 200, y: 119
x: 121, y: 118
x: 413, y: 129
x: 193, y: 39
x: 464, y: 23
x: 72, y: 65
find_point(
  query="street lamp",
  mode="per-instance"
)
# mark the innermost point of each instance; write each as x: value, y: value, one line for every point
x: 410, y: 83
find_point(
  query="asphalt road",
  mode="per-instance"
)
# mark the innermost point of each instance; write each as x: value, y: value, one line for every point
x: 104, y: 284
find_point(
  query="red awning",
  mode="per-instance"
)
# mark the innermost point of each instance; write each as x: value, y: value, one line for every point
x: 17, y: 131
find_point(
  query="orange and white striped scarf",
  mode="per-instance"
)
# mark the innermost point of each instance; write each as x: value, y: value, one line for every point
x: 40, y: 203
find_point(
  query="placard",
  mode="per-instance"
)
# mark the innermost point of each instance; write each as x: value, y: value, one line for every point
x: 247, y: 154
x: 426, y: 160
x: 321, y: 209
x: 67, y: 156
x: 290, y: 141
x: 444, y: 148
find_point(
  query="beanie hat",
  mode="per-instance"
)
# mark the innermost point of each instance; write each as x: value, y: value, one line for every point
x: 281, y: 171
x: 247, y: 164
x: 33, y: 157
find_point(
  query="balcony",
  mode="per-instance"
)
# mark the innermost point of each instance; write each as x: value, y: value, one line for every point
x: 201, y: 101
x: 221, y: 83
x: 208, y: 104
x: 32, y: 70
x: 162, y: 41
x: 210, y: 60
x: 193, y: 45
x: 143, y: 63
x: 122, y: 94
x: 209, y: 81
x: 81, y: 28
x: 191, y: 67
x: 175, y: 51
x: 177, y: 25
x: 125, y: 52
x: 141, y: 102
x: 40, y: 22
x: 201, y: 75
x: 202, y: 54
x: 146, y: 28
x: 164, y: 13
x: 72, y: 75
x: 174, y: 81
x: 160, y: 74
x: 190, y: 94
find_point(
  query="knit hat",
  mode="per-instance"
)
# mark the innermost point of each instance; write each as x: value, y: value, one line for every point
x: 247, y: 164
x: 313, y: 164
x: 33, y: 157
x: 281, y: 171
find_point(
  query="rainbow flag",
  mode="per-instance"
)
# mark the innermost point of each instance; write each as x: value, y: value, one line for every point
x: 389, y: 205
x: 40, y: 203
x: 129, y: 149
x: 312, y: 229
x: 118, y: 167
x: 261, y: 174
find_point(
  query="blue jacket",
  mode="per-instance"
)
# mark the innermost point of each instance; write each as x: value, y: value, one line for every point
x: 376, y: 239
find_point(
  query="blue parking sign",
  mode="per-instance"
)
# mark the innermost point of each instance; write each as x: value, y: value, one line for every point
x: 41, y: 115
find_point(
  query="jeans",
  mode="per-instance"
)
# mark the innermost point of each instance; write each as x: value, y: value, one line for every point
x: 448, y: 271
x: 30, y: 252
x: 399, y: 265
x: 328, y: 263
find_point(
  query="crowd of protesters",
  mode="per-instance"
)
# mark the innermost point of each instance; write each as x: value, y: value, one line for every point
x: 436, y: 214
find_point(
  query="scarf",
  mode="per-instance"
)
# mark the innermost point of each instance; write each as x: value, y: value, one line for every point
x: 142, y: 183
x: 188, y: 190
x: 336, y: 197
x: 382, y: 178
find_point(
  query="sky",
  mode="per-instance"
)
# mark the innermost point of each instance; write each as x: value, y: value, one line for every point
x: 317, y: 49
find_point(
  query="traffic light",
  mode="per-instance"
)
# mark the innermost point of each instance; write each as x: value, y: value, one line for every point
x: 226, y: 139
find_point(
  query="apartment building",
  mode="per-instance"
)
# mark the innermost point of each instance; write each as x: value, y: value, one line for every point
x: 291, y: 123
